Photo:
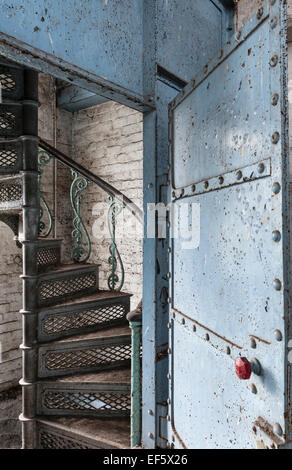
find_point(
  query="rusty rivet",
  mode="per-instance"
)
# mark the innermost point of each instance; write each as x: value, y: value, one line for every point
x: 277, y: 284
x: 274, y: 60
x: 275, y: 137
x: 253, y: 389
x: 261, y: 168
x: 228, y: 350
x: 275, y: 99
x: 278, y: 335
x: 207, y: 337
x: 260, y: 13
x: 254, y: 429
x: 221, y: 179
x: 276, y: 188
x: 277, y: 429
x: 276, y: 236
x: 274, y: 22
x: 239, y: 175
x: 253, y: 343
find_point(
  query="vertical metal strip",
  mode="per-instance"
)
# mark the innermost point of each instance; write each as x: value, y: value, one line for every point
x: 136, y: 384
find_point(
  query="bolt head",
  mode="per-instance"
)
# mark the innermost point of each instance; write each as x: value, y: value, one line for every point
x: 278, y: 429
x: 277, y: 284
x: 276, y: 236
x: 276, y: 188
x: 274, y: 60
x: 275, y: 137
x: 278, y: 335
x: 239, y: 175
x: 275, y: 99
x: 253, y: 389
x: 242, y: 368
x: 260, y: 13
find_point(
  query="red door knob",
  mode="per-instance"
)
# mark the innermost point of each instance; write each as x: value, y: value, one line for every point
x: 243, y: 368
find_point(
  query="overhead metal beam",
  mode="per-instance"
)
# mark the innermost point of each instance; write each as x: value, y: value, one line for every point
x: 73, y: 98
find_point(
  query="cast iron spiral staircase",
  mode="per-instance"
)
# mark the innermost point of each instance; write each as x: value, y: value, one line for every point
x: 76, y: 339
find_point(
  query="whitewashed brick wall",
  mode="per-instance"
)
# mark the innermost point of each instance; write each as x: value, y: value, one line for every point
x: 108, y: 140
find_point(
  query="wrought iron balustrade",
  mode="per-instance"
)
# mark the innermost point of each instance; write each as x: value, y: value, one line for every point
x: 81, y: 243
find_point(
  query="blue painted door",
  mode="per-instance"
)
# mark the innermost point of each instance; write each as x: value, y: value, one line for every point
x: 229, y: 259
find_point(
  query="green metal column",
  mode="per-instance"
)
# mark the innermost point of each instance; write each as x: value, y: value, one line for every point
x: 135, y: 322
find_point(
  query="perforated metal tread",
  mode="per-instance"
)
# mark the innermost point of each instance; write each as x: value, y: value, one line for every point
x: 100, y: 295
x: 101, y: 350
x: 98, y: 311
x: 116, y: 332
x: 104, y: 394
x: 83, y: 433
x: 65, y: 268
x: 11, y: 197
x: 106, y: 377
x: 66, y: 282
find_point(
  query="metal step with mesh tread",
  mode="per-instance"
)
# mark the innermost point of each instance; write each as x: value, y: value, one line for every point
x: 102, y: 309
x: 11, y: 194
x: 101, y: 350
x: 83, y: 433
x: 104, y: 394
x: 66, y: 282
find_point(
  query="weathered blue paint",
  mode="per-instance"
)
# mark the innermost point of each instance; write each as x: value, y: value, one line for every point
x: 103, y: 37
x: 124, y: 51
x: 74, y: 99
x: 172, y: 52
x: 229, y: 154
x: 97, y: 45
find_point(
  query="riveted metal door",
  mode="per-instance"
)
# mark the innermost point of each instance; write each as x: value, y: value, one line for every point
x: 229, y: 279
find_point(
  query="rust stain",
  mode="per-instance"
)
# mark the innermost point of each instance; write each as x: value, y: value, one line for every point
x: 260, y: 339
x: 208, y: 329
x: 267, y: 429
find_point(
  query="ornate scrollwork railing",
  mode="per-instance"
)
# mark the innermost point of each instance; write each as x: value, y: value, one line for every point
x: 81, y: 244
x: 114, y: 282
x: 45, y: 228
x: 81, y: 248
